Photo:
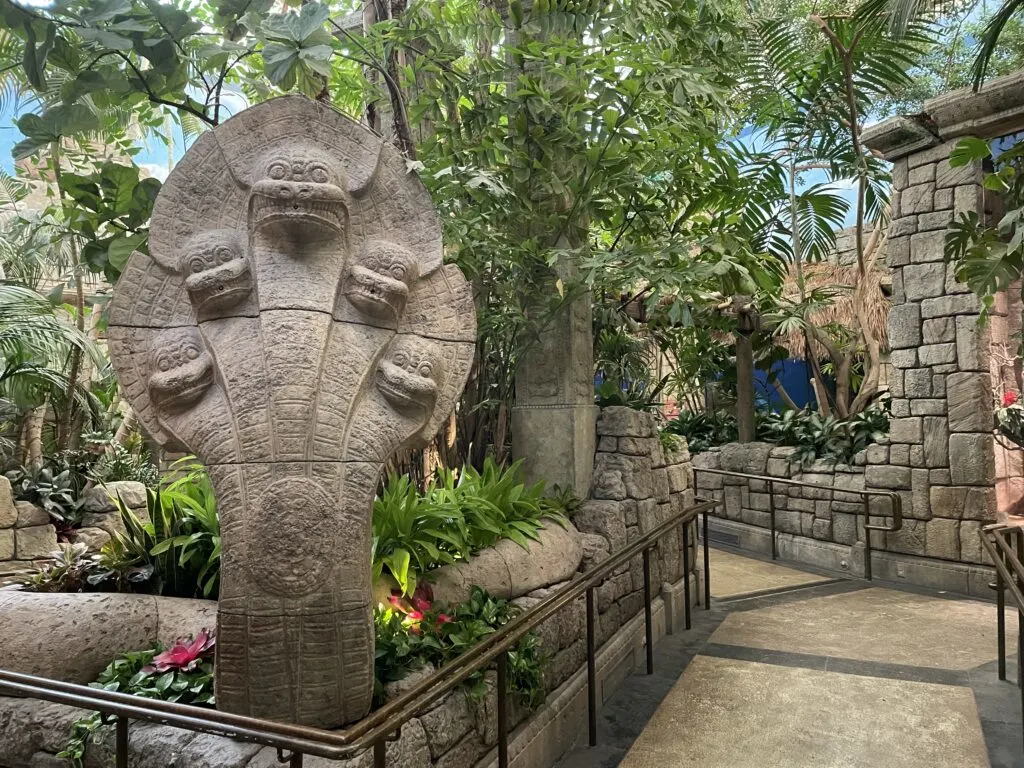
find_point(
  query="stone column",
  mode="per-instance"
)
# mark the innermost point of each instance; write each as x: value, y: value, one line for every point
x: 941, y: 453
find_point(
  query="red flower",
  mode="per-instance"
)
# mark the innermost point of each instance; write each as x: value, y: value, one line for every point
x: 443, y: 618
x: 184, y: 655
x: 1010, y: 398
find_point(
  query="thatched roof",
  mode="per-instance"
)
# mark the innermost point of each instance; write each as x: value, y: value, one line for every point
x: 841, y: 279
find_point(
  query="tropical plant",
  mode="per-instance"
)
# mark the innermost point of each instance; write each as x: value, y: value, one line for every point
x: 56, y: 493
x: 176, y: 552
x: 414, y: 633
x: 67, y: 570
x: 812, y: 104
x: 183, y: 674
x: 1009, y: 418
x: 704, y: 429
x: 456, y: 515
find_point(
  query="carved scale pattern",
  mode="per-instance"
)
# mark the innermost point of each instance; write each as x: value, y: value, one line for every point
x: 293, y: 326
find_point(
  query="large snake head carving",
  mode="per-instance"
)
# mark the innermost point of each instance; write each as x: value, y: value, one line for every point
x: 299, y: 196
x: 378, y: 283
x: 216, y: 269
x: 410, y: 375
x: 182, y: 370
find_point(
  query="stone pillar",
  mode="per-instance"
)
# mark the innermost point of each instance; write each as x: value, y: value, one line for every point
x: 554, y: 416
x: 941, y: 455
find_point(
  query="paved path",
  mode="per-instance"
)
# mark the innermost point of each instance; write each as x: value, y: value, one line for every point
x: 796, y: 669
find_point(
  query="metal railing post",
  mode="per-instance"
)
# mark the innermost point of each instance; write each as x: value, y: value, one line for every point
x: 771, y: 516
x: 686, y: 573
x: 1001, y: 621
x: 502, y: 710
x: 296, y: 761
x: 380, y: 754
x: 649, y: 623
x: 867, y: 537
x: 707, y: 566
x: 121, y: 743
x: 591, y: 670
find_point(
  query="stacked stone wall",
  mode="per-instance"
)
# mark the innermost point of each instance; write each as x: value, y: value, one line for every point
x: 26, y: 533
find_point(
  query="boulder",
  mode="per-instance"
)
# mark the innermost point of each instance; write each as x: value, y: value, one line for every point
x: 508, y: 570
x: 74, y: 636
x: 103, y: 498
x: 92, y: 538
x: 35, y: 543
x: 8, y: 512
x: 29, y: 515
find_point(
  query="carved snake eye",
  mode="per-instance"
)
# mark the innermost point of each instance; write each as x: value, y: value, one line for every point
x: 191, y: 352
x: 197, y: 264
x: 401, y: 359
x: 164, y: 363
x: 318, y: 174
x: 277, y: 170
x: 224, y: 254
x: 425, y: 370
x: 398, y: 271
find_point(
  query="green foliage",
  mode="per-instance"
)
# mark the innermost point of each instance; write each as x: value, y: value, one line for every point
x: 177, y: 551
x: 183, y: 674
x: 625, y: 362
x: 67, y: 571
x: 456, y: 515
x: 817, y: 436
x: 704, y: 429
x: 409, y: 638
x: 54, y: 492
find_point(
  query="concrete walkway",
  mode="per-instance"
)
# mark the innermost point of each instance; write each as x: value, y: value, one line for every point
x: 801, y: 670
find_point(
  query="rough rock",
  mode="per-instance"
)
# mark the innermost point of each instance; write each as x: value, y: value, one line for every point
x: 103, y: 498
x: 35, y: 543
x: 8, y: 512
x: 92, y: 538
x: 968, y: 395
x: 971, y: 459
x: 30, y: 515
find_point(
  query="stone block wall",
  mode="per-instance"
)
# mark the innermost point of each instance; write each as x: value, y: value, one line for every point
x: 26, y: 533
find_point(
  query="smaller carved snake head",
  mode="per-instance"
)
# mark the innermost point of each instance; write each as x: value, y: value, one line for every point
x: 411, y: 374
x: 182, y: 370
x: 378, y: 283
x: 216, y: 269
x: 299, y: 195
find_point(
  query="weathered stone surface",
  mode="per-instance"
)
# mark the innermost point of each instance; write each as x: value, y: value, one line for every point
x: 948, y: 176
x: 293, y: 326
x: 939, y: 220
x: 92, y: 538
x: 927, y: 407
x: 921, y: 174
x: 35, y: 543
x: 595, y: 550
x: 917, y: 199
x: 961, y: 304
x: 926, y: 247
x: 907, y: 430
x: 971, y: 459
x: 73, y: 637
x: 948, y: 502
x: 924, y: 281
x: 981, y: 504
x: 917, y: 382
x: 750, y: 457
x: 8, y: 512
x: 903, y: 358
x: 208, y: 751
x: 910, y: 539
x: 844, y: 528
x: 936, y: 442
x: 897, y: 251
x: 904, y: 326
x: 937, y: 354
x: 103, y: 498
x: 971, y: 550
x: 30, y: 515
x: 943, y: 539
x: 938, y: 330
x: 971, y: 344
x: 446, y: 724
x: 970, y: 402
x: 903, y: 226
x: 882, y: 476
x: 29, y: 725
x: 6, y: 544
x: 943, y: 199
x: 623, y: 422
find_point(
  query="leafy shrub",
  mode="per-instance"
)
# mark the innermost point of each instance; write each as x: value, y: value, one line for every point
x: 177, y: 551
x: 182, y: 673
x: 416, y: 632
x: 815, y: 435
x: 457, y: 515
x: 68, y: 571
x: 704, y: 429
x: 56, y: 492
x: 118, y: 463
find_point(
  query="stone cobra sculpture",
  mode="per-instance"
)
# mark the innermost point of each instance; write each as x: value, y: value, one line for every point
x: 293, y: 326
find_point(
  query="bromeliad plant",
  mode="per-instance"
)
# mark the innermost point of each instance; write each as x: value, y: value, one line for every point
x: 458, y: 514
x: 182, y: 673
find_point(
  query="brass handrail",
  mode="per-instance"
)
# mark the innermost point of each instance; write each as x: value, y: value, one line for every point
x: 895, y: 502
x: 374, y: 730
x: 1009, y: 565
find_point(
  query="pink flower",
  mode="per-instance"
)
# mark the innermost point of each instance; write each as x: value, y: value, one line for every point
x: 184, y: 655
x: 1010, y: 398
x: 444, y: 618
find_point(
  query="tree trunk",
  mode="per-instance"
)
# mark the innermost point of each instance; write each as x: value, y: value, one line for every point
x: 745, y: 388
